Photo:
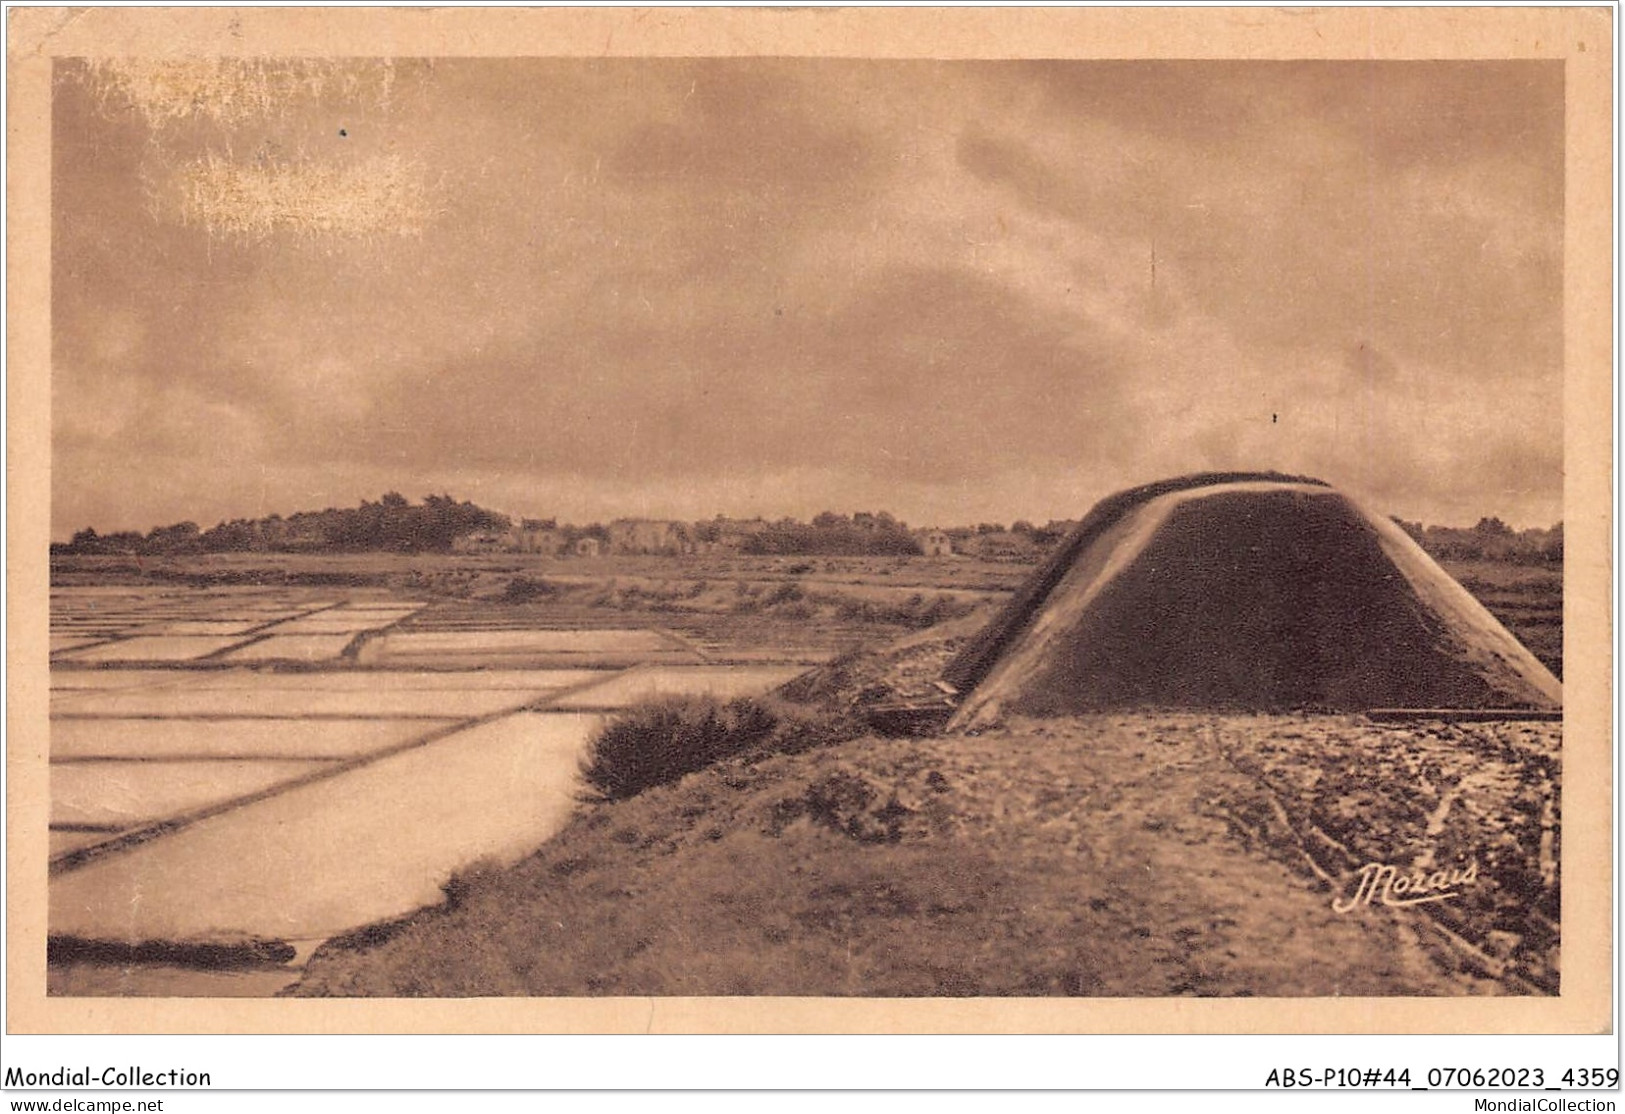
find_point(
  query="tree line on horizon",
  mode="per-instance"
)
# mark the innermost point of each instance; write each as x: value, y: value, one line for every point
x: 394, y: 525
x: 1488, y: 540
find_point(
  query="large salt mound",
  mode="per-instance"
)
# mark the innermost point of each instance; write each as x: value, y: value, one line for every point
x: 1246, y: 594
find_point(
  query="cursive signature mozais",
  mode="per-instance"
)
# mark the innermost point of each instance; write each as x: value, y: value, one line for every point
x: 1384, y: 884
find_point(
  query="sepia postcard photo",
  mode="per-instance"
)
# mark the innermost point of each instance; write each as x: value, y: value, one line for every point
x: 834, y: 520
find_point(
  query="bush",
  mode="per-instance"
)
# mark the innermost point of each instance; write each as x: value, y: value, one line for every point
x: 663, y: 740
x: 658, y: 742
x: 784, y: 593
x: 524, y: 589
x: 913, y: 613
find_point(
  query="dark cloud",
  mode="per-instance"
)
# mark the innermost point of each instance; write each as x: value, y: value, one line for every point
x: 1401, y: 113
x: 928, y: 375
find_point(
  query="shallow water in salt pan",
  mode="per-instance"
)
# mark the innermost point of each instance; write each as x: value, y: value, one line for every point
x: 422, y: 760
x: 523, y: 641
x: 70, y: 642
x: 373, y: 843
x: 464, y: 704
x: 294, y: 647
x: 77, y: 739
x: 327, y: 623
x: 126, y: 793
x: 207, y: 626
x: 155, y: 648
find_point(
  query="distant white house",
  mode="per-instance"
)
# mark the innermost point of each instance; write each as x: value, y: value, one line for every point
x: 546, y: 540
x: 934, y: 543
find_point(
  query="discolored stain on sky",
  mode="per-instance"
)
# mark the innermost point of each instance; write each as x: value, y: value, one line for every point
x: 958, y: 291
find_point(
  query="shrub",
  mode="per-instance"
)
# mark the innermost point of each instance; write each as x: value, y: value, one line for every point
x: 663, y: 740
x: 784, y: 593
x: 914, y: 613
x: 523, y: 589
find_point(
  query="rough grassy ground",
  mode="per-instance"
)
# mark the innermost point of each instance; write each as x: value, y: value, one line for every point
x: 1111, y: 856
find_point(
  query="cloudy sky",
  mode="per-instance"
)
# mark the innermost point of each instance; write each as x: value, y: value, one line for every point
x: 957, y: 291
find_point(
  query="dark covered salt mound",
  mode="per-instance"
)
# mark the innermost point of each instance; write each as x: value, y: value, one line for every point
x: 1243, y: 593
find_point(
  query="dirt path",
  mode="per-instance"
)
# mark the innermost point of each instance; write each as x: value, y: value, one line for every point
x: 1189, y: 900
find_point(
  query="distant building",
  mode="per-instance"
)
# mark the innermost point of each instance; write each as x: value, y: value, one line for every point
x: 588, y: 546
x: 645, y: 535
x: 482, y: 541
x: 527, y: 538
x: 999, y: 545
x: 934, y: 543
